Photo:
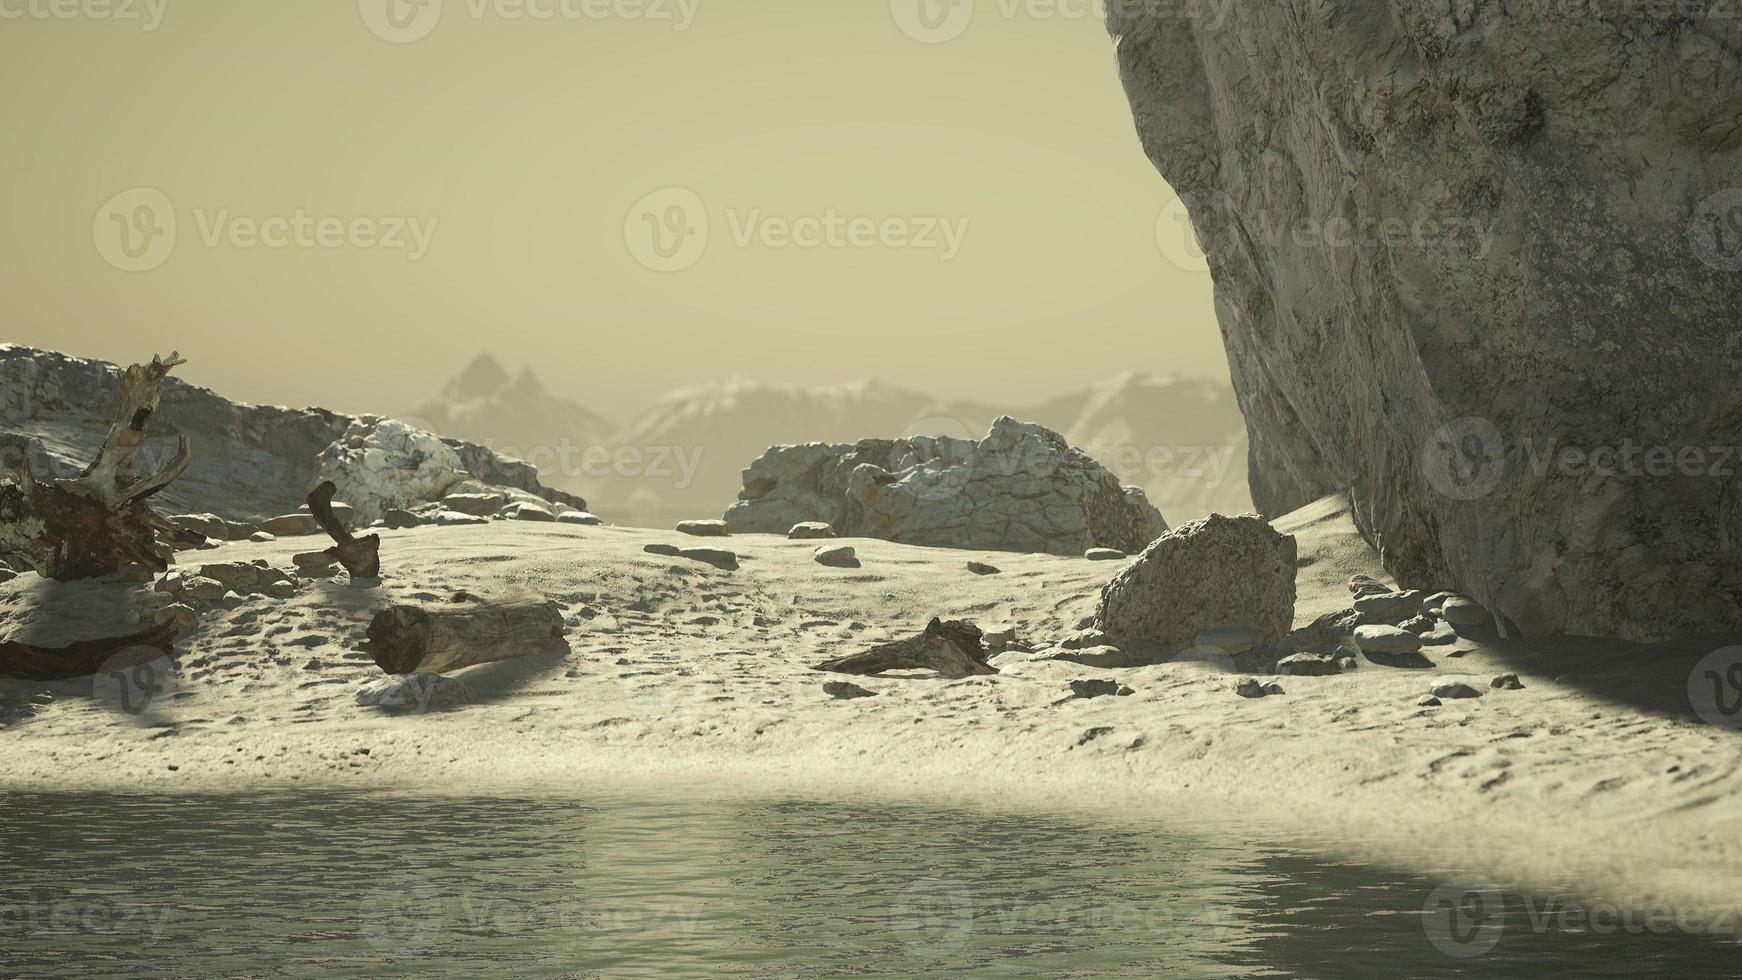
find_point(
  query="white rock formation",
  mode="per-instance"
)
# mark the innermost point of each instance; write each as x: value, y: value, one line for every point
x: 1019, y: 489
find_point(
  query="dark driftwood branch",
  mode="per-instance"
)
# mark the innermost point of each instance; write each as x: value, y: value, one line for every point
x: 360, y: 556
x: 33, y: 663
x: 100, y: 520
x: 952, y: 649
x: 438, y: 638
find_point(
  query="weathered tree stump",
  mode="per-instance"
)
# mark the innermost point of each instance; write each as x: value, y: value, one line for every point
x: 93, y: 524
x: 436, y: 638
x: 33, y: 663
x: 360, y: 556
x: 952, y: 649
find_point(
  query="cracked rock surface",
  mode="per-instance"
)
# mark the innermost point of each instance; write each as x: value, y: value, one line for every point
x: 1450, y: 240
x: 1022, y: 488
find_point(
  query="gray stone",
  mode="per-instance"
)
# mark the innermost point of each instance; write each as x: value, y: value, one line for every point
x: 1448, y: 688
x: 664, y: 550
x: 1386, y: 640
x: 810, y: 531
x: 1083, y: 639
x: 1388, y: 607
x: 180, y: 615
x: 1249, y: 687
x: 1099, y: 689
x: 1307, y: 665
x: 454, y: 518
x: 1428, y: 701
x: 578, y: 517
x: 1529, y: 287
x: 1506, y: 682
x: 717, y: 557
x: 1102, y: 656
x: 981, y: 568
x: 209, y: 525
x: 837, y: 556
x: 529, y: 512
x: 1464, y: 612
x: 846, y: 691
x: 262, y: 537
x: 240, y: 530
x: 203, y: 590
x: 232, y: 574
x: 1198, y: 577
x: 704, y: 529
x: 1104, y: 554
x: 280, y: 590
x: 1022, y: 488
x: 400, y: 519
x: 475, y: 504
x: 1360, y: 585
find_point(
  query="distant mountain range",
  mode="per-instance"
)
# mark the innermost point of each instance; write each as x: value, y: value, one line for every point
x: 1182, y: 440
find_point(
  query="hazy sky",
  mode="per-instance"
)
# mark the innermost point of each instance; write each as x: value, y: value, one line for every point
x: 975, y: 214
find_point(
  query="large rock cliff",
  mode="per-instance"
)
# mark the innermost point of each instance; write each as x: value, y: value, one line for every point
x: 1452, y: 240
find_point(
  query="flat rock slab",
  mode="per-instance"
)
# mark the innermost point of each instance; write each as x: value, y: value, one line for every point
x: 810, y: 531
x: 1386, y: 640
x: 704, y: 529
x: 837, y: 556
x: 717, y: 557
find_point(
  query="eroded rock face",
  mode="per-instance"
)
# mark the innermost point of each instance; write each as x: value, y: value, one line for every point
x: 1206, y: 575
x: 1451, y: 240
x: 1019, y: 489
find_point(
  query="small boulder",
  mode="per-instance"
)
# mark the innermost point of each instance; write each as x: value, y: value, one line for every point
x: 475, y: 504
x: 1362, y: 585
x: 1104, y: 554
x: 262, y: 537
x: 1447, y: 688
x: 1084, y: 639
x: 1506, y: 682
x: 232, y: 574
x: 578, y: 517
x: 1307, y: 665
x: 837, y: 556
x: 399, y: 520
x: 525, y: 511
x: 704, y: 529
x: 810, y: 531
x: 208, y: 525
x: 717, y: 557
x: 1428, y: 701
x: 1099, y: 689
x: 201, y: 589
x: 846, y: 691
x: 414, y: 692
x: 1198, y: 577
x: 315, y: 564
x: 239, y: 530
x: 1460, y: 611
x: 1388, y: 607
x: 1102, y: 656
x: 280, y: 590
x: 981, y: 568
x: 447, y: 517
x: 665, y: 550
x: 291, y: 526
x: 1251, y: 688
x: 1386, y: 640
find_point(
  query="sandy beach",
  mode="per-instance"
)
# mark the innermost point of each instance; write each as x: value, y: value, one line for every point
x: 685, y: 678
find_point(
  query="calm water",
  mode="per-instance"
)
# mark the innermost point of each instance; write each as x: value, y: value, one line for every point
x: 146, y: 886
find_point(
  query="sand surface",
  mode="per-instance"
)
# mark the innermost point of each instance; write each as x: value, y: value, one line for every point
x: 685, y: 678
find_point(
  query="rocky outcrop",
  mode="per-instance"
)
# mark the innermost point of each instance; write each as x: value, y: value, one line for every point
x: 1207, y: 575
x: 1451, y: 241
x: 250, y: 462
x: 1022, y: 488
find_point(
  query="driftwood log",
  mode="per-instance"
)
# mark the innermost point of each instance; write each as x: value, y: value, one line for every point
x: 360, y: 556
x: 33, y: 663
x: 951, y: 648
x: 100, y: 520
x: 435, y: 638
